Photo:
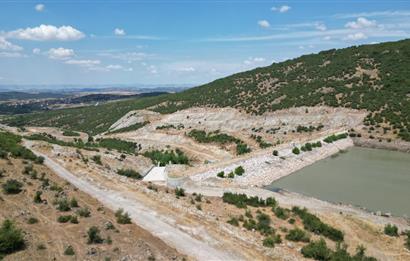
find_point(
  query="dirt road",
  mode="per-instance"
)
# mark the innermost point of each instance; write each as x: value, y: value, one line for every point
x: 161, y: 226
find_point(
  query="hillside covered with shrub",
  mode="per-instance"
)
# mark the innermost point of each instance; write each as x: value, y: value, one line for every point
x: 371, y: 77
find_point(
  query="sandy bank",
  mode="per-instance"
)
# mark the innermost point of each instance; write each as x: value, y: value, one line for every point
x: 396, y: 145
x: 263, y: 169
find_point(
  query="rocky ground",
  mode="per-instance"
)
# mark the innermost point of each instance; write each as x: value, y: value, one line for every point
x: 48, y: 239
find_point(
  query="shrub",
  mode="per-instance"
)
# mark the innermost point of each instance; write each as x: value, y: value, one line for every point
x: 122, y: 217
x: 11, y: 238
x: 281, y: 213
x: 63, y: 205
x: 297, y: 235
x: 84, y: 212
x: 317, y: 250
x: 12, y: 186
x: 315, y: 225
x: 94, y: 236
x: 296, y: 151
x: 39, y: 160
x: 37, y: 197
x: 391, y: 230
x: 129, y: 173
x: 74, y: 203
x: 64, y: 219
x: 275, y: 153
x: 242, y: 148
x: 32, y: 220
x: 97, y: 159
x: 233, y: 221
x: 269, y: 242
x: 180, y: 192
x: 231, y: 175
x: 69, y: 251
x: 242, y: 200
x: 74, y: 220
x: 165, y: 157
x: 263, y: 224
x: 221, y: 174
x: 407, y: 242
x: 239, y: 171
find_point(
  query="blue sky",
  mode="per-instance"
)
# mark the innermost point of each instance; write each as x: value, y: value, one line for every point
x: 178, y: 42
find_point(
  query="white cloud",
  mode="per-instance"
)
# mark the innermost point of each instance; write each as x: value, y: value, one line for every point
x: 119, y: 31
x: 186, y: 69
x: 11, y: 55
x: 84, y: 63
x: 152, y: 69
x: 361, y: 23
x: 254, y: 60
x: 281, y: 9
x: 46, y: 33
x: 264, y: 24
x: 36, y: 51
x: 320, y: 26
x: 39, y: 7
x: 60, y: 53
x: 327, y: 38
x: 126, y: 56
x: 6, y: 45
x: 356, y: 37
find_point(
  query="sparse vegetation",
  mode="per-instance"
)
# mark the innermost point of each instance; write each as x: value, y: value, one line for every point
x: 94, y: 236
x: 129, y: 173
x: 69, y: 251
x: 315, y: 225
x: 12, y: 186
x: 391, y: 230
x: 122, y: 217
x: 179, y: 192
x: 298, y: 235
x: 242, y: 200
x: 70, y: 133
x: 163, y: 158
x: 11, y: 238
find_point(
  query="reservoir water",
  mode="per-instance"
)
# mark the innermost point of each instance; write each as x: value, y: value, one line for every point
x: 370, y: 178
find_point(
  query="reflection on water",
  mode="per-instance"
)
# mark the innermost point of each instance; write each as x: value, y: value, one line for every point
x: 371, y: 178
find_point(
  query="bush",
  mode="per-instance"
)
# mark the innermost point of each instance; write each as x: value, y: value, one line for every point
x: 74, y: 220
x: 242, y: 148
x: 242, y: 200
x: 74, y: 203
x: 64, y: 219
x: 39, y: 160
x: 297, y: 235
x: 269, y: 242
x: 391, y: 230
x: 179, y: 192
x: 296, y: 151
x: 239, y: 171
x: 97, y: 159
x: 122, y: 217
x: 63, y: 205
x: 317, y: 250
x: 275, y: 153
x: 129, y: 173
x: 94, y: 236
x: 315, y: 225
x: 263, y: 224
x: 11, y: 238
x: 407, y: 242
x: 12, y: 186
x: 281, y: 213
x: 231, y: 175
x: 32, y: 220
x: 84, y: 212
x: 165, y: 157
x: 233, y: 221
x: 69, y: 251
x: 221, y: 174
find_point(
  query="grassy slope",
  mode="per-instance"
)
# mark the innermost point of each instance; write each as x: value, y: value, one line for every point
x: 328, y: 78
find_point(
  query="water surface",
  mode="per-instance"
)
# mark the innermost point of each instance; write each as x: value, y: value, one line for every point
x: 371, y: 178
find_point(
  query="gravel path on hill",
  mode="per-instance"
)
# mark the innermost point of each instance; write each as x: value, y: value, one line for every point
x: 161, y: 226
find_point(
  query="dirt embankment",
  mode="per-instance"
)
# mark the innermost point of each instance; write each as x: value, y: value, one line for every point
x: 396, y: 145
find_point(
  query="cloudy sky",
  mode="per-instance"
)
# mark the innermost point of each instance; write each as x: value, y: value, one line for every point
x: 178, y: 41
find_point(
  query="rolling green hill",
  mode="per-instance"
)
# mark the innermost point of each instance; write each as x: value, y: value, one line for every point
x: 372, y: 77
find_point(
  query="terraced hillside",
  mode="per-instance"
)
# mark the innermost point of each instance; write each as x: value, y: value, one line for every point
x: 371, y: 77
